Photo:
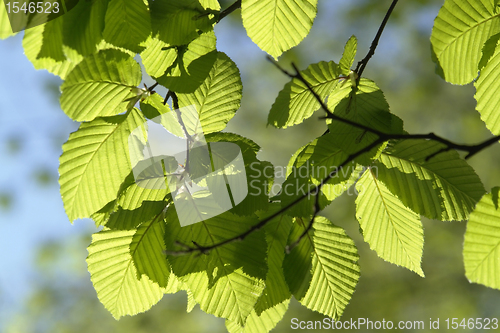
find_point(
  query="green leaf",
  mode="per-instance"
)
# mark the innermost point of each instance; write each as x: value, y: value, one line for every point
x: 460, y: 31
x: 136, y: 204
x: 295, y: 102
x: 83, y: 26
x: 100, y: 85
x: 5, y: 27
x: 322, y: 271
x: 307, y: 168
x: 348, y: 56
x: 218, y: 98
x: 43, y: 46
x: 192, y: 64
x: 258, y: 173
x: 127, y: 24
x: 115, y: 277
x: 94, y: 163
x: 366, y: 106
x: 482, y: 242
x: 178, y: 22
x: 273, y: 303
x: 147, y: 249
x: 152, y: 107
x: 180, y: 68
x: 488, y: 92
x: 278, y: 25
x: 276, y: 292
x: 155, y: 59
x: 260, y: 323
x: 392, y: 230
x: 228, y: 280
x: 444, y: 188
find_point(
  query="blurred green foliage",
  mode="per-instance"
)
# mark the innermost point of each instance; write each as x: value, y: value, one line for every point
x: 63, y: 299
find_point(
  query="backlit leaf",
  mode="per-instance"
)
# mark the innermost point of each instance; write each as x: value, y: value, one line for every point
x: 295, y: 102
x: 482, y: 242
x: 218, y: 97
x: 460, y: 31
x: 278, y: 25
x: 233, y: 273
x: 100, y: 85
x: 444, y: 188
x: 94, y: 163
x: 115, y: 277
x: 127, y: 24
x: 391, y: 229
x: 488, y: 92
x: 5, y: 27
x: 322, y: 271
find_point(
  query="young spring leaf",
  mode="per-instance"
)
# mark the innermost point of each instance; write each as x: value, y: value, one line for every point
x: 229, y: 279
x: 157, y: 57
x: 5, y: 27
x: 459, y: 33
x: 277, y: 232
x: 365, y: 105
x: 44, y: 47
x: 488, y: 92
x: 191, y: 64
x: 83, y: 26
x: 348, y: 56
x: 444, y: 188
x: 100, y: 85
x: 127, y: 24
x: 114, y: 274
x: 273, y: 303
x: 147, y: 250
x: 308, y: 167
x: 277, y: 26
x: 488, y: 50
x: 260, y: 323
x: 391, y: 229
x: 94, y: 163
x: 137, y: 203
x: 259, y: 174
x: 482, y: 241
x: 295, y: 102
x: 178, y: 22
x: 322, y: 271
x: 218, y: 97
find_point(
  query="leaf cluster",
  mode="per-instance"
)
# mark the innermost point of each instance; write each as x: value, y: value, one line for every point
x: 246, y: 263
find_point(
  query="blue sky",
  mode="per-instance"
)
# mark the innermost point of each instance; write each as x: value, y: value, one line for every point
x: 30, y: 114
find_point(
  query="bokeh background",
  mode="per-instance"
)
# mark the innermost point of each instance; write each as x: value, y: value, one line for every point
x: 44, y: 283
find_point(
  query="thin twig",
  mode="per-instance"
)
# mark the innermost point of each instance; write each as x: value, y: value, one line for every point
x: 229, y: 10
x: 470, y: 149
x: 362, y: 64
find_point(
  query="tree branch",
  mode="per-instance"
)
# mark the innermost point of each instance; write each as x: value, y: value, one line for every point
x: 381, y: 138
x: 229, y: 10
x: 362, y: 64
